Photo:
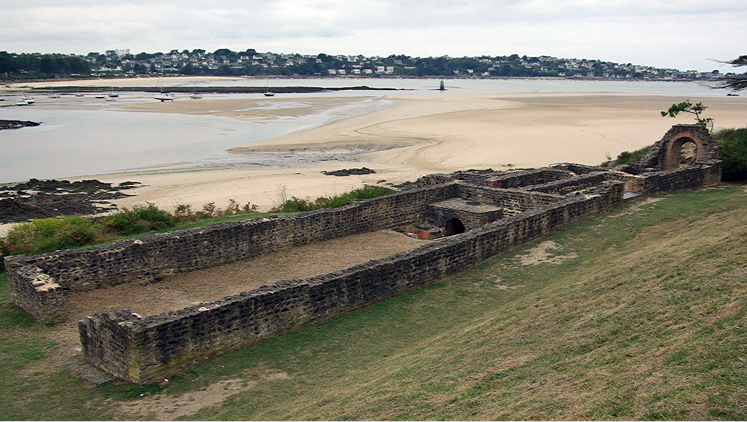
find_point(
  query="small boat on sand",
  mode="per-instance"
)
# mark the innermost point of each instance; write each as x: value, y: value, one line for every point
x: 269, y: 93
x: 167, y: 96
x: 195, y: 95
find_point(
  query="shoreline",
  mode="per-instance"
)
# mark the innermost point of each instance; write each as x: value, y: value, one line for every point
x: 127, y: 81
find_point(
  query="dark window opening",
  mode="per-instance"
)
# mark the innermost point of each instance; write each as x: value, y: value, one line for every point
x: 453, y: 226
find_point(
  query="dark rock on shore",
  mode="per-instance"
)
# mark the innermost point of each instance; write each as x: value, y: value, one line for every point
x: 349, y: 172
x: 52, y: 198
x: 16, y: 124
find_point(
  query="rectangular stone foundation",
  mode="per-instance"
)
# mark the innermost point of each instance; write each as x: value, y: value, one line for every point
x: 144, y: 350
x: 147, y: 349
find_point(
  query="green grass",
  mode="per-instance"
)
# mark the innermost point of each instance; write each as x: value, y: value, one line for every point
x: 646, y: 322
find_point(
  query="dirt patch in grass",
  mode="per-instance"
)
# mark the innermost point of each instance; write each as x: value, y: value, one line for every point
x: 637, y: 207
x: 540, y: 254
x: 503, y: 286
x: 164, y: 407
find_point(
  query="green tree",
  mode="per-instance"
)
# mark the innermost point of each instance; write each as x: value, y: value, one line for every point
x: 694, y: 109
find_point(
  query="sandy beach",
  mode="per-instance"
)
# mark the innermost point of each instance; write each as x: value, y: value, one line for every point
x: 421, y: 134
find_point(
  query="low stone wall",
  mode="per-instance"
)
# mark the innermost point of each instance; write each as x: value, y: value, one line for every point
x: 34, y: 291
x: 577, y: 168
x: 513, y: 201
x: 708, y: 173
x: 147, y: 349
x: 152, y: 257
x: 565, y: 186
x: 471, y: 216
x: 526, y: 178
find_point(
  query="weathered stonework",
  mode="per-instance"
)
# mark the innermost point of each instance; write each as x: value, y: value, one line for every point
x: 160, y: 345
x: 659, y: 170
x: 527, y: 205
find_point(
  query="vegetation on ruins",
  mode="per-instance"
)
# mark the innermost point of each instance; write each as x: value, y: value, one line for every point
x: 43, y: 235
x: 690, y: 108
x: 733, y: 143
x: 49, y: 234
x: 627, y: 157
x: 295, y: 204
x: 635, y: 314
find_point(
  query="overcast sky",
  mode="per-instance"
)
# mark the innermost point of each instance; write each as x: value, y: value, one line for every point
x: 683, y: 34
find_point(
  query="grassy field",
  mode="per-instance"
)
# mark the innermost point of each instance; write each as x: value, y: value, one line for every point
x: 636, y: 314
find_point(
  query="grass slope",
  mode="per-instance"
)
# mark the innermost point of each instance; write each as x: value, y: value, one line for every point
x: 643, y: 316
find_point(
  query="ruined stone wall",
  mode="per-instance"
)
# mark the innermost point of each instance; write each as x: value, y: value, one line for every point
x: 565, y: 186
x: 660, y: 156
x: 471, y: 219
x: 152, y: 257
x: 683, y: 178
x: 512, y: 201
x: 34, y: 291
x: 157, y: 346
x: 524, y: 178
x: 577, y: 168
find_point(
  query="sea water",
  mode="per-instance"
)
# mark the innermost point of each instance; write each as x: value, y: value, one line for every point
x: 81, y: 137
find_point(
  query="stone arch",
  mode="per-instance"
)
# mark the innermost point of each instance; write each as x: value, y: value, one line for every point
x: 667, y: 153
x: 674, y: 152
x: 454, y: 226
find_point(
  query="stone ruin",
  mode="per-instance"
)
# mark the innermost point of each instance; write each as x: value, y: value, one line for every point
x: 478, y: 213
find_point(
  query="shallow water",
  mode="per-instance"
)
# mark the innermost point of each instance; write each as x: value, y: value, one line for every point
x: 93, y: 139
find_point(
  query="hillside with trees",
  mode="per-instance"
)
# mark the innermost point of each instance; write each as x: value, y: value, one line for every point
x: 225, y: 62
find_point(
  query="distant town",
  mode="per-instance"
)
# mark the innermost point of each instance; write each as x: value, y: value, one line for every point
x: 224, y: 62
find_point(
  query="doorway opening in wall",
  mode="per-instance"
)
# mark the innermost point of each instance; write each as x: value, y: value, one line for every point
x: 688, y: 153
x: 453, y: 226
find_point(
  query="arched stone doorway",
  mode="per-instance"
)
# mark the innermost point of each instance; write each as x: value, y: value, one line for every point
x: 453, y: 226
x: 683, y: 151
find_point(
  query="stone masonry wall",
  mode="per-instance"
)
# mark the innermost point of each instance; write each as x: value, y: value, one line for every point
x: 565, y: 186
x: 34, y: 291
x: 512, y: 201
x: 163, y: 254
x: 471, y: 217
x: 527, y: 177
x: 689, y: 177
x: 148, y: 349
